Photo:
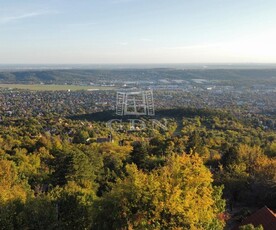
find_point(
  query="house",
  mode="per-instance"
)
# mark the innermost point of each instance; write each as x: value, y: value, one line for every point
x: 263, y: 216
x: 105, y: 139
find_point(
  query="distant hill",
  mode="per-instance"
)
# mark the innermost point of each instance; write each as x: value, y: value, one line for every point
x: 79, y: 76
x: 177, y: 114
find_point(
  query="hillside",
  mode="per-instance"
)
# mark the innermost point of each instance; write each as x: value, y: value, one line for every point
x: 74, y: 76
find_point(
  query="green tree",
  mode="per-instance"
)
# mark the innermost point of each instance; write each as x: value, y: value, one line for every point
x: 73, y: 205
x: 38, y: 213
x: 251, y: 227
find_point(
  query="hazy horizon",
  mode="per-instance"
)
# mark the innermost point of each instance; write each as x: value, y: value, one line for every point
x: 11, y: 67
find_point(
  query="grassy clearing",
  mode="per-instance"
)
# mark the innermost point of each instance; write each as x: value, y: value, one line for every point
x: 39, y: 87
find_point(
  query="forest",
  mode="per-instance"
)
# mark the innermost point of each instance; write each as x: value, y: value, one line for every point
x: 76, y: 173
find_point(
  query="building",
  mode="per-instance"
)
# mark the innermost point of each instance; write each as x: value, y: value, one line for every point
x: 263, y: 216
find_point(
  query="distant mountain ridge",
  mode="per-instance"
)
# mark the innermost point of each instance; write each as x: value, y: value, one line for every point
x: 75, y: 76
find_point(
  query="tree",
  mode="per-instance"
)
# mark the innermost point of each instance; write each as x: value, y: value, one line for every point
x: 73, y: 206
x: 11, y: 186
x: 251, y: 227
x: 178, y: 195
x: 81, y: 136
x: 72, y: 164
x: 38, y: 213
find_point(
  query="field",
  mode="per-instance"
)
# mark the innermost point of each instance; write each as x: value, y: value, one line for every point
x: 41, y: 87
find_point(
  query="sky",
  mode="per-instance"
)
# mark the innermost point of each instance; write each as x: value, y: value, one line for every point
x: 137, y: 31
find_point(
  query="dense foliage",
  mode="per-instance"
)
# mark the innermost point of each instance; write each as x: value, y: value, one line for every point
x: 55, y: 173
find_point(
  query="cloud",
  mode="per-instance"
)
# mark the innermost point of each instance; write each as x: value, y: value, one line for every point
x: 8, y: 19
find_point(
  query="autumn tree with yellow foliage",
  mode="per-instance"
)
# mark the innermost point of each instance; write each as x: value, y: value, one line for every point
x: 179, y: 195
